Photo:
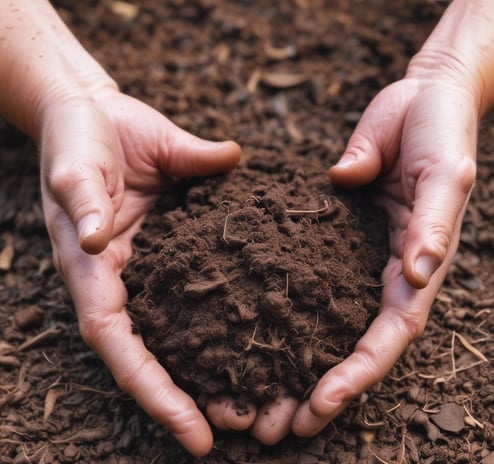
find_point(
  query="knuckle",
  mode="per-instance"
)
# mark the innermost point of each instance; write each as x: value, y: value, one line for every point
x: 464, y: 174
x: 94, y: 330
x: 409, y: 323
x: 65, y: 177
x: 441, y: 235
x: 129, y: 379
x: 180, y: 420
x: 89, y: 330
x: 370, y: 368
x: 359, y: 145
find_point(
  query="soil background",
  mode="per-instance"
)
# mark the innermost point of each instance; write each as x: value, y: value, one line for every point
x: 283, y: 78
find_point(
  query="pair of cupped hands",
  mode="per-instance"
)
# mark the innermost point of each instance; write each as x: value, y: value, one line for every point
x: 106, y: 158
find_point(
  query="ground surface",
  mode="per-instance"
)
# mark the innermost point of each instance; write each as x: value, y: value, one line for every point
x: 288, y: 81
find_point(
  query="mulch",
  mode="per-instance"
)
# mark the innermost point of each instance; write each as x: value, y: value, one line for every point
x: 238, y: 253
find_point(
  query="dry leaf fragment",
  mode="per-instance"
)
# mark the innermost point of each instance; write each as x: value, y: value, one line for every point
x: 7, y: 254
x: 279, y: 53
x: 9, y: 361
x: 51, y: 399
x: 471, y: 348
x: 451, y: 418
x: 125, y: 10
x: 28, y: 317
x: 282, y: 80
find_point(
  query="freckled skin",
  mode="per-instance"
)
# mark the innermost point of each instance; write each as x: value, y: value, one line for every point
x: 104, y: 156
x: 424, y: 192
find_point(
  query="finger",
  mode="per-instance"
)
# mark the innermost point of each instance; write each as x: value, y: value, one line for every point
x: 226, y: 415
x: 99, y: 296
x: 274, y: 418
x: 374, y: 144
x: 430, y: 233
x: 80, y: 172
x: 306, y: 424
x: 185, y: 155
x: 439, y: 172
x: 402, y: 319
x: 138, y: 373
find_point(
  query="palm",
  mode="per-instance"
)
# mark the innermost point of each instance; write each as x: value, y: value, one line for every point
x: 417, y: 143
x: 103, y: 165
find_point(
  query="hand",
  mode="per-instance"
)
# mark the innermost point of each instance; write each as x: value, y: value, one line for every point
x: 417, y: 141
x: 103, y: 163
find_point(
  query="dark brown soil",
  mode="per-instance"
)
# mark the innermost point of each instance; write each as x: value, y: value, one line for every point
x: 264, y: 278
x: 288, y: 81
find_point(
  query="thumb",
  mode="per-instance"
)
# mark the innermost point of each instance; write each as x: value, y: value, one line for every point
x: 374, y: 144
x: 185, y: 155
x: 79, y: 172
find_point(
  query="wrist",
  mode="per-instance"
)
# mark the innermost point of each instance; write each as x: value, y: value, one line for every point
x: 460, y: 52
x: 42, y: 65
x: 66, y: 90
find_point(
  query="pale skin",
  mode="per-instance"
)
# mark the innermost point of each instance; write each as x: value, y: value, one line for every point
x: 417, y: 140
x: 105, y: 157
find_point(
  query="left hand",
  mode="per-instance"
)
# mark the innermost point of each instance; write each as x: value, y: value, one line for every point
x: 417, y: 142
x: 418, y: 139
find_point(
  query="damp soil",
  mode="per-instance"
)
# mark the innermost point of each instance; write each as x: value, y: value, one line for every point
x: 263, y: 277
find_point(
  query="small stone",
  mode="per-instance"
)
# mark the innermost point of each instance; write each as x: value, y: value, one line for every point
x: 71, y: 452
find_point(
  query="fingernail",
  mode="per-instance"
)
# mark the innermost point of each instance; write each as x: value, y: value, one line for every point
x: 89, y: 225
x: 346, y: 161
x: 424, y: 267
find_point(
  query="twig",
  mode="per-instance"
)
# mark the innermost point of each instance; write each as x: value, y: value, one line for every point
x: 456, y: 370
x: 223, y: 237
x: 473, y: 420
x: 48, y: 334
x: 453, y: 362
x: 394, y: 408
x: 308, y: 212
x: 471, y: 348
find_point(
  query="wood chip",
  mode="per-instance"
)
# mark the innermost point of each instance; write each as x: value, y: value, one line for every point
x: 254, y: 80
x: 279, y: 53
x: 87, y: 435
x: 125, y: 10
x: 471, y: 348
x: 29, y: 317
x: 450, y: 418
x: 7, y: 254
x: 283, y: 80
x: 51, y: 399
x: 9, y: 361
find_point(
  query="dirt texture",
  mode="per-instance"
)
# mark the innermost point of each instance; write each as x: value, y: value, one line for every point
x: 288, y: 81
x: 264, y: 279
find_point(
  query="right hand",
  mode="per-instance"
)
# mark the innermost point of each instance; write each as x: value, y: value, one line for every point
x: 104, y: 159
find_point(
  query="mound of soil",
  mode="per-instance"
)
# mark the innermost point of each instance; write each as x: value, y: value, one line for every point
x: 288, y: 80
x: 264, y: 278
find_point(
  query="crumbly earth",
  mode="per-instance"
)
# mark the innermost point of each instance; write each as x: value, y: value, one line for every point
x: 288, y: 81
x: 264, y: 278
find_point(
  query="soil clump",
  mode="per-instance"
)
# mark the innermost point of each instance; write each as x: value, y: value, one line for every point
x: 288, y: 81
x: 264, y: 278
